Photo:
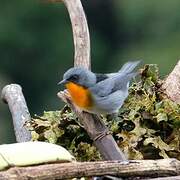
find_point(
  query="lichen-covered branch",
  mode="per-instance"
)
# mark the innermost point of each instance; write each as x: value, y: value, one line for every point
x: 136, y: 168
x: 12, y: 94
x: 171, y: 85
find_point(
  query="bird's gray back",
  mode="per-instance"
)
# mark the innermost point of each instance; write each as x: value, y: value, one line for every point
x: 110, y: 83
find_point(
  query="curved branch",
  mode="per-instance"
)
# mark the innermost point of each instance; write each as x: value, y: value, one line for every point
x: 92, y: 124
x: 12, y: 94
x: 80, y: 33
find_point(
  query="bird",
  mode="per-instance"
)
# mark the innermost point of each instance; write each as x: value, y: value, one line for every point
x: 98, y: 93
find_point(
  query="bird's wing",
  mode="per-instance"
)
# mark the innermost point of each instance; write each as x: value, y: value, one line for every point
x: 122, y: 81
x: 101, y: 77
x: 109, y: 83
x: 103, y: 88
x: 129, y: 67
x: 126, y: 68
x: 112, y: 84
x: 107, y: 86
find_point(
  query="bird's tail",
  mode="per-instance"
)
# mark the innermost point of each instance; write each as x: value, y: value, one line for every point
x: 128, y: 67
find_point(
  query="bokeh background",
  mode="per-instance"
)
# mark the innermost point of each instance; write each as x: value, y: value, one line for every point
x: 36, y: 44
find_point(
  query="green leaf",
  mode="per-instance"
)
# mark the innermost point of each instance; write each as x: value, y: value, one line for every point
x: 50, y: 135
x: 162, y: 117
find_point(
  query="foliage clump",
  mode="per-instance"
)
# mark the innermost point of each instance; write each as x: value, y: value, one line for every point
x: 147, y: 127
x: 63, y: 128
x: 150, y: 126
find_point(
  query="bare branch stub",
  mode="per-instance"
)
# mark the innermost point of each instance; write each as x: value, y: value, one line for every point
x: 12, y: 94
x: 171, y: 85
x: 136, y: 168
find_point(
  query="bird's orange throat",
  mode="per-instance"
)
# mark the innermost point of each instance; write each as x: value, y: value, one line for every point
x: 80, y: 95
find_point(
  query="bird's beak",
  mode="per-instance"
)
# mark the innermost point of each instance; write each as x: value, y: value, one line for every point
x: 64, y: 81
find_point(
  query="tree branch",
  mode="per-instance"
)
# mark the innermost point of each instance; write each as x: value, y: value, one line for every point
x: 136, y: 168
x: 171, y: 85
x: 92, y: 124
x: 12, y: 94
x: 97, y: 131
x: 80, y: 32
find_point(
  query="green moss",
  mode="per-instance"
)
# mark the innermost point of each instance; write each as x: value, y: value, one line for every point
x: 148, y: 125
x: 156, y: 118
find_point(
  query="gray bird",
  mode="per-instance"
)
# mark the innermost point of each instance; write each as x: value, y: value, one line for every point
x: 99, y: 93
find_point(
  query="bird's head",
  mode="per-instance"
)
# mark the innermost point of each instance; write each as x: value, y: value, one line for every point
x: 80, y: 76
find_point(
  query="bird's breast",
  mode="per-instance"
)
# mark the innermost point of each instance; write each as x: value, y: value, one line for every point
x: 81, y: 96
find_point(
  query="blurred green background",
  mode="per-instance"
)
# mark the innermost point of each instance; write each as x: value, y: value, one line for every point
x: 36, y: 45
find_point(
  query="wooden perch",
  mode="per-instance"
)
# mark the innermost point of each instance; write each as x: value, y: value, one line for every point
x: 92, y: 124
x: 171, y: 85
x: 12, y: 94
x: 136, y: 168
x: 97, y: 131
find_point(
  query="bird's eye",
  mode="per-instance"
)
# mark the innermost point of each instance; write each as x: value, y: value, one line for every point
x: 74, y: 78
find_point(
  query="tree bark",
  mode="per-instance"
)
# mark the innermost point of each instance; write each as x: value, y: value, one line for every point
x: 80, y: 32
x: 136, y: 168
x: 171, y: 85
x: 12, y: 94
